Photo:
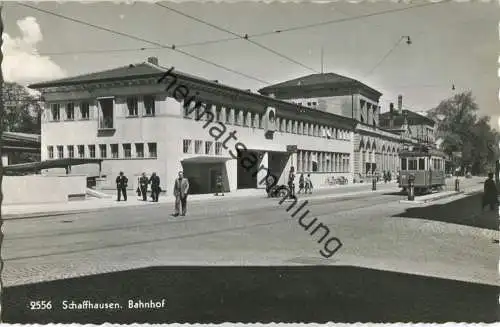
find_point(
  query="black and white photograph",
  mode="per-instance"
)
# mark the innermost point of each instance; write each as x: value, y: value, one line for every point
x: 249, y: 162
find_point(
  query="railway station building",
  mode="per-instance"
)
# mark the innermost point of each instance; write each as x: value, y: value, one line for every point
x: 142, y: 118
x: 375, y: 148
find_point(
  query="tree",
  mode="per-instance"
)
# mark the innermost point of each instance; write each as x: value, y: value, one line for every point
x: 23, y: 110
x: 463, y: 131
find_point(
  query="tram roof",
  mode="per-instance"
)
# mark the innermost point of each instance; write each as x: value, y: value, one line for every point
x: 422, y: 153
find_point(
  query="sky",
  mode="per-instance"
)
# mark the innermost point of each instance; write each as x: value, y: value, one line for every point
x: 452, y: 44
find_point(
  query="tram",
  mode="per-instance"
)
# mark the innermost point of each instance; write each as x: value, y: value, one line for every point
x: 428, y: 167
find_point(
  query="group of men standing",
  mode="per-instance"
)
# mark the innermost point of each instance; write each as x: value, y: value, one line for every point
x: 181, y: 190
x: 142, y: 189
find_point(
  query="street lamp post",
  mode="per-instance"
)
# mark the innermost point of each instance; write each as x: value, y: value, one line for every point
x: 497, y: 170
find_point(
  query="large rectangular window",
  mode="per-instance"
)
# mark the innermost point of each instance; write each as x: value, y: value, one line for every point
x: 102, y: 150
x: 198, y: 144
x: 218, y: 148
x: 60, y: 151
x: 139, y: 150
x: 81, y: 151
x: 114, y: 151
x: 186, y: 146
x: 54, y: 108
x: 71, y: 151
x: 208, y: 147
x: 70, y: 111
x: 133, y: 106
x: 149, y: 105
x: 106, y: 113
x: 85, y: 110
x: 50, y: 152
x: 92, y: 151
x: 127, y: 150
x: 152, y: 150
x: 403, y: 164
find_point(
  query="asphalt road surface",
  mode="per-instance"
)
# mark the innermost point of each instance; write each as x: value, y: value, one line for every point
x: 375, y: 231
x: 430, y: 264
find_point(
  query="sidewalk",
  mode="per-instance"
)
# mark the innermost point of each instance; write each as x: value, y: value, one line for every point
x: 93, y: 204
x: 472, y: 187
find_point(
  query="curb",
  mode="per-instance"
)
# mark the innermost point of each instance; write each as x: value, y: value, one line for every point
x: 431, y: 199
x: 43, y: 214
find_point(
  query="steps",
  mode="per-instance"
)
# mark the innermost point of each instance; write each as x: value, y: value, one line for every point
x: 96, y: 194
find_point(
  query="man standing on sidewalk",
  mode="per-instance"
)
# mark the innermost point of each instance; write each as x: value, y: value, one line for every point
x: 155, y: 187
x: 143, y: 184
x: 121, y: 186
x: 181, y: 189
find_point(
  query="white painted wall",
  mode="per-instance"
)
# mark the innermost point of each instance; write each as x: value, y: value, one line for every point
x: 41, y: 189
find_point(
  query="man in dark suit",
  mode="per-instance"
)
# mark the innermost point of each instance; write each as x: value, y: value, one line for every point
x: 143, y: 185
x: 490, y: 195
x: 181, y: 189
x: 155, y: 186
x: 121, y: 186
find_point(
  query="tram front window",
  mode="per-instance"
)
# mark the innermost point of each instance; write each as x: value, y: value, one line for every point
x: 412, y: 164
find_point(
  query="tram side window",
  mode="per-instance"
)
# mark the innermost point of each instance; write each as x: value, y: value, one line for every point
x: 412, y: 164
x: 421, y: 164
x: 403, y: 164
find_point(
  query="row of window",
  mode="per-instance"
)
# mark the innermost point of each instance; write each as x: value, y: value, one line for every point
x: 83, y: 108
x: 69, y: 109
x: 323, y: 162
x: 246, y: 118
x: 187, y: 147
x: 419, y: 164
x: 89, y: 151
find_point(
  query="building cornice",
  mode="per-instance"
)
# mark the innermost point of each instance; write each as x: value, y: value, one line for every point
x: 228, y: 96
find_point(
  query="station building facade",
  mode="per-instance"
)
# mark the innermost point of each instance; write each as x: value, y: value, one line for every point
x: 375, y: 148
x: 142, y: 118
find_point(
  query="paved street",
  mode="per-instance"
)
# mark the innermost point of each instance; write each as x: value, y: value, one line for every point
x: 253, y: 231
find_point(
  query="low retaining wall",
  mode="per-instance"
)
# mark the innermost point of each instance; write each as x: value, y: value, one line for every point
x: 42, y: 189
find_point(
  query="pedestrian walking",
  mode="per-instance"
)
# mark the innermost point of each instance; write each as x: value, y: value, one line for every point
x: 155, y: 187
x: 143, y: 186
x: 490, y: 195
x: 181, y: 189
x: 219, y: 187
x: 291, y: 184
x: 308, y: 184
x: 301, y: 183
x: 121, y: 186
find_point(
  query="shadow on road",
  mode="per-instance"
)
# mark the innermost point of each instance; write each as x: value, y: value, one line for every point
x: 466, y: 211
x: 257, y: 294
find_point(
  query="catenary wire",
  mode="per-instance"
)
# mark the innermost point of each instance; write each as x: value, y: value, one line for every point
x: 171, y: 47
x: 259, y: 34
x: 242, y: 37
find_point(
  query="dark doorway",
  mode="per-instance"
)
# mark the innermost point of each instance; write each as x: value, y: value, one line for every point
x: 203, y: 175
x: 247, y: 173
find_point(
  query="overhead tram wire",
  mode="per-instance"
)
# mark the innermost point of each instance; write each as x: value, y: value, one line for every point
x: 244, y: 37
x: 388, y: 54
x: 201, y: 43
x: 171, y: 47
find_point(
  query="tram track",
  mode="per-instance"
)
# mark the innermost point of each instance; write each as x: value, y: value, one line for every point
x: 154, y: 227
